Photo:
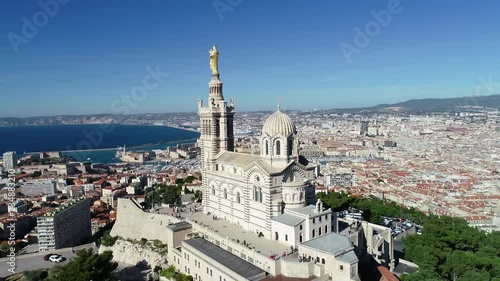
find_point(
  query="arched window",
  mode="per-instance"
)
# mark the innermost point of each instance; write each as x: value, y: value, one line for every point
x: 317, y: 259
x: 319, y: 231
x: 314, y: 233
x: 238, y: 200
x: 278, y: 147
x: 326, y: 229
x: 290, y: 147
x: 260, y: 194
x: 255, y: 193
x: 323, y: 261
x: 267, y: 147
x: 213, y: 190
x: 225, y: 193
x: 286, y: 237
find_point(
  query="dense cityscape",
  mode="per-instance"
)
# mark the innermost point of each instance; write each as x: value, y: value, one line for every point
x: 443, y: 164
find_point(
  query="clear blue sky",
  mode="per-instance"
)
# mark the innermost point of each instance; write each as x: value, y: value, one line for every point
x: 94, y: 51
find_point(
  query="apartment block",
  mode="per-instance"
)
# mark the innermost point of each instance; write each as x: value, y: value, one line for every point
x: 66, y: 226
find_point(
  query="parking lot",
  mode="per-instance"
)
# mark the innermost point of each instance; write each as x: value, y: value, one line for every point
x: 401, y: 226
x: 36, y: 261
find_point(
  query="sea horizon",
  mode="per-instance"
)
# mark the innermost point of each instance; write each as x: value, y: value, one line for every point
x: 81, y: 140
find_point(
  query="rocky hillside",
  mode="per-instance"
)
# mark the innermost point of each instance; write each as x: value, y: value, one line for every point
x: 135, y: 252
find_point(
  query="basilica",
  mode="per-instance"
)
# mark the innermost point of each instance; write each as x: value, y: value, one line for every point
x: 260, y: 218
x: 261, y: 193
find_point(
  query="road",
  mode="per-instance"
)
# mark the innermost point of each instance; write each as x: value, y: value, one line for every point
x: 35, y: 261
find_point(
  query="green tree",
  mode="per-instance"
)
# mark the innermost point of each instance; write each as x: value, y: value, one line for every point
x: 172, y: 195
x: 422, y: 275
x: 35, y: 275
x: 183, y: 277
x: 4, y: 250
x: 448, y: 249
x: 452, y: 249
x: 169, y: 272
x: 188, y: 179
x: 198, y: 194
x: 473, y: 275
x: 108, y: 240
x: 88, y: 266
x: 168, y: 194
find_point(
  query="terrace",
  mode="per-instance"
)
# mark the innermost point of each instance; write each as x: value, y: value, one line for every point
x: 237, y: 234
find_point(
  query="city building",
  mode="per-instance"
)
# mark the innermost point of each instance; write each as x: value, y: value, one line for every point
x: 20, y: 224
x: 18, y: 207
x: 3, y: 208
x: 9, y: 160
x: 66, y: 226
x: 363, y: 128
x: 50, y: 154
x: 341, y: 177
x: 38, y: 187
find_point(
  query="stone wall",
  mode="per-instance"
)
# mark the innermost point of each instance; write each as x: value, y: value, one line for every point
x: 133, y: 223
x: 295, y: 268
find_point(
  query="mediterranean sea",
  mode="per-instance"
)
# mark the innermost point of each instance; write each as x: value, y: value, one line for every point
x: 97, y: 142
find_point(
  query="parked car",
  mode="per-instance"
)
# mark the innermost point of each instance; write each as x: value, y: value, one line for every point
x: 56, y: 258
x: 46, y: 257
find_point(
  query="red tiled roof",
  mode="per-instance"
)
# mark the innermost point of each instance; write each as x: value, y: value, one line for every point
x: 387, y: 275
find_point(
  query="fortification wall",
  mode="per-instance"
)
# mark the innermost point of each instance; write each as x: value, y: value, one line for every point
x: 134, y: 223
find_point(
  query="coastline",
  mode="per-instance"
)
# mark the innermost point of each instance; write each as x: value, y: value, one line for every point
x: 135, y: 137
x: 120, y: 124
x: 108, y: 155
x: 180, y: 128
x: 132, y: 148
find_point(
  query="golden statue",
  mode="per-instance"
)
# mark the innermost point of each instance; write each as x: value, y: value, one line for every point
x: 214, y: 60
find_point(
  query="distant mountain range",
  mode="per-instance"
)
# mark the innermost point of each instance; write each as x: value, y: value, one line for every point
x: 422, y: 106
x: 448, y: 104
x: 414, y: 106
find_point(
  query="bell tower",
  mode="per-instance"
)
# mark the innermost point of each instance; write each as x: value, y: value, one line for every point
x: 216, y: 118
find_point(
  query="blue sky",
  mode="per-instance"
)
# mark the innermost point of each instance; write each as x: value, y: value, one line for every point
x: 92, y: 53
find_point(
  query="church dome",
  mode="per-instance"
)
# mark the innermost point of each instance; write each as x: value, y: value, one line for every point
x: 279, y: 123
